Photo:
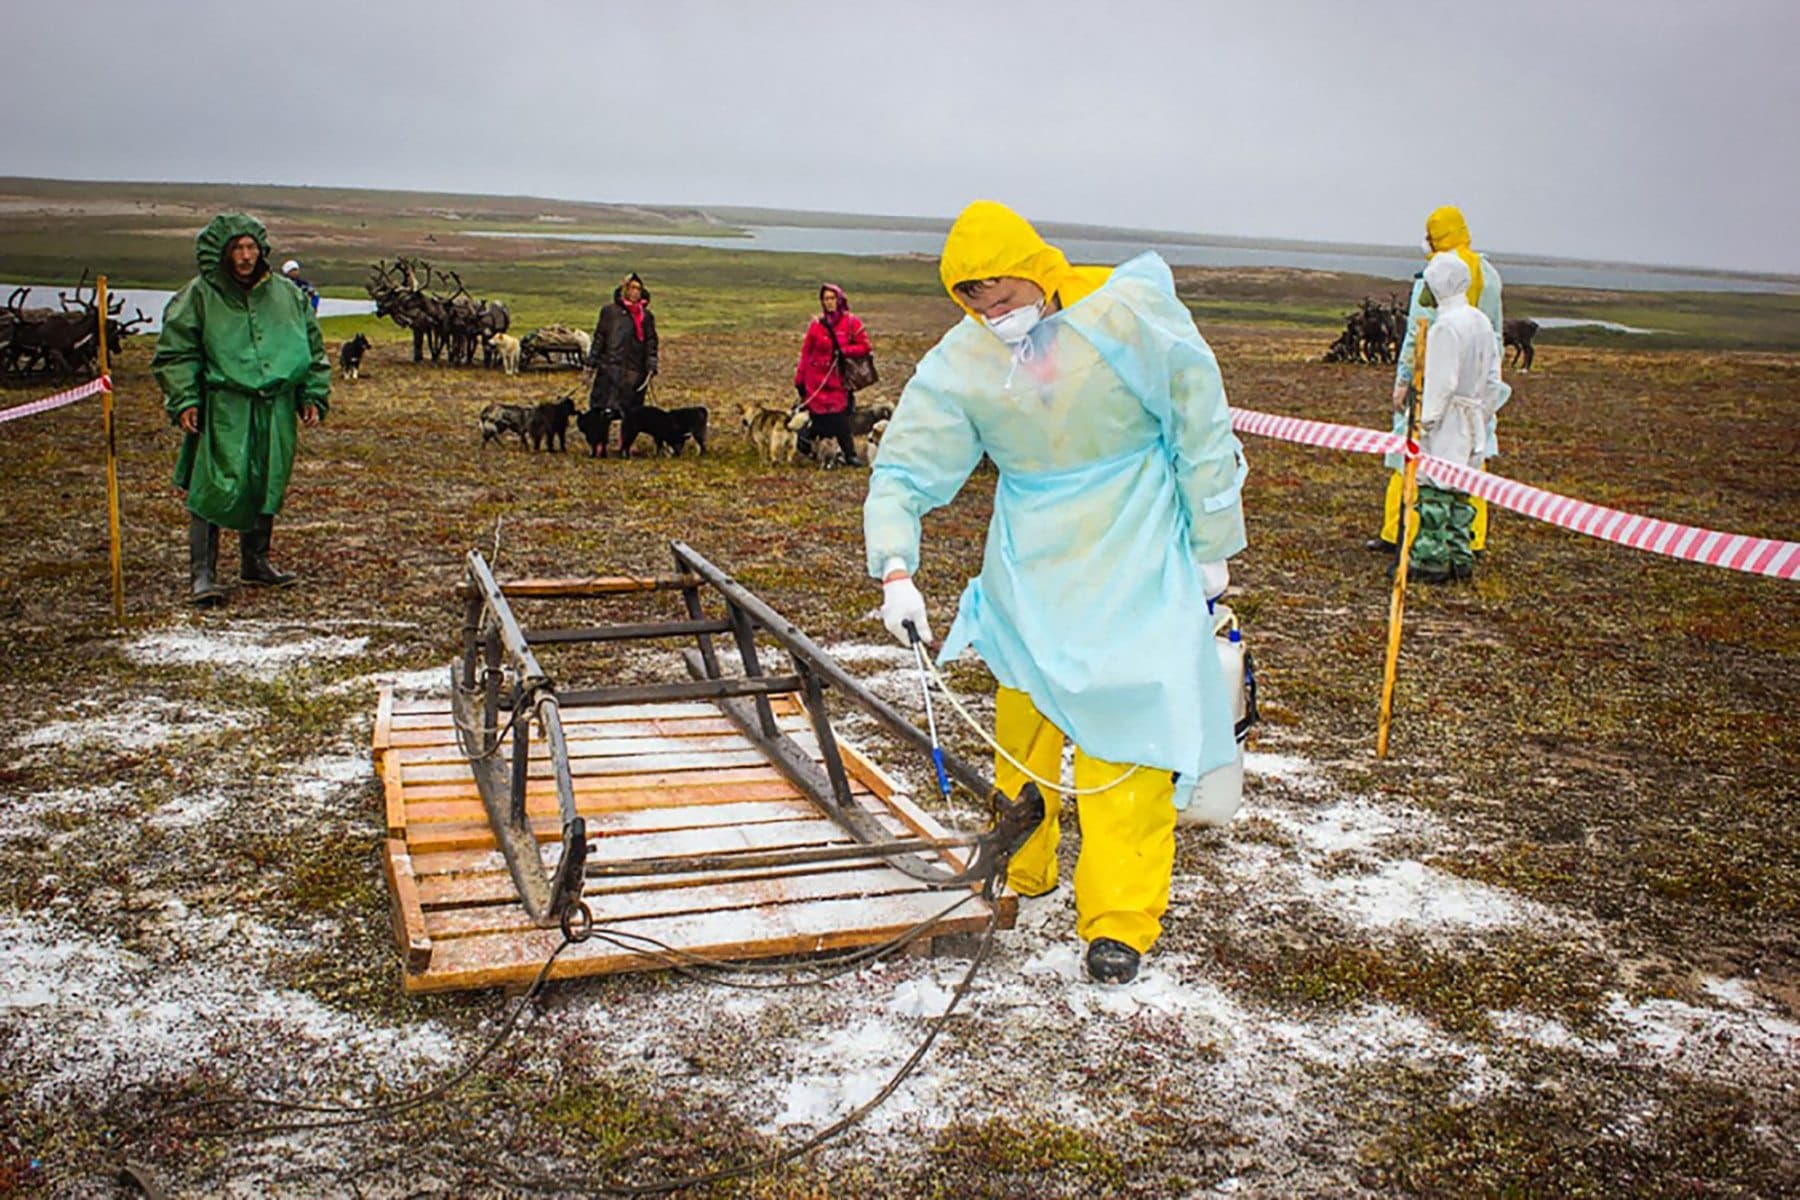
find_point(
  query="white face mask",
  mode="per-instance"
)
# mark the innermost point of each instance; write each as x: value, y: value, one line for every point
x: 1425, y: 243
x: 1016, y: 325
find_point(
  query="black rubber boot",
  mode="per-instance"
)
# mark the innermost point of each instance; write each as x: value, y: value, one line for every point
x: 203, y: 562
x: 1377, y: 545
x: 1110, y: 961
x: 253, y: 546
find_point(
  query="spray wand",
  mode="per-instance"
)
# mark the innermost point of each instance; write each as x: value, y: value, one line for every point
x: 937, y: 750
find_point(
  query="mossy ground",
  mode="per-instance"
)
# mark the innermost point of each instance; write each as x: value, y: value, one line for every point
x: 1610, y: 735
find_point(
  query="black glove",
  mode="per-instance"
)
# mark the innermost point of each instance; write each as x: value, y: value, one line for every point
x: 800, y: 391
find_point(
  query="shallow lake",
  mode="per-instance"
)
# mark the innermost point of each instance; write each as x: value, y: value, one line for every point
x: 1398, y: 265
x: 1577, y: 322
x: 153, y: 300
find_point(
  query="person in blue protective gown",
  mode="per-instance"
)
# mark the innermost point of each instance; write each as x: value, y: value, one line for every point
x: 1116, y: 507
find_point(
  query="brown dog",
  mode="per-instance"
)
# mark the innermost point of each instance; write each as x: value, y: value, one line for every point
x: 766, y: 426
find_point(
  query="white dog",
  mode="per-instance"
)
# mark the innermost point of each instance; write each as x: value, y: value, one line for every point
x: 876, y: 433
x: 507, y: 346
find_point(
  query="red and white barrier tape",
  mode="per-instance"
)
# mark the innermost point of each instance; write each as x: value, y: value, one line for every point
x: 1737, y: 552
x: 92, y: 387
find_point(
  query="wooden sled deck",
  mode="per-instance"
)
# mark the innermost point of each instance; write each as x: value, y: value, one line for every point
x: 672, y: 778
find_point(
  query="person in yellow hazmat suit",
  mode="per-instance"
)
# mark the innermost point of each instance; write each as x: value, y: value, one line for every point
x: 1445, y: 230
x: 1116, y: 509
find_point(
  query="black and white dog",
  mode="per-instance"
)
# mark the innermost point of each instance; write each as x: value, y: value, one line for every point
x: 350, y: 356
x: 498, y: 420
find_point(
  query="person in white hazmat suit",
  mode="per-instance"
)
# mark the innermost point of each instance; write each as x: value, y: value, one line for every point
x: 1116, y: 508
x: 1445, y: 230
x: 1461, y: 394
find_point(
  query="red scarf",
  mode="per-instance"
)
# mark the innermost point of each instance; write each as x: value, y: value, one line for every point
x: 637, y: 316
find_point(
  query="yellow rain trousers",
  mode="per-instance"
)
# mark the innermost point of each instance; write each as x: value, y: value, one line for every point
x: 1127, y: 831
x: 1390, y: 516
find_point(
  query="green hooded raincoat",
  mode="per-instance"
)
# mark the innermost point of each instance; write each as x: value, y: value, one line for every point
x: 250, y: 359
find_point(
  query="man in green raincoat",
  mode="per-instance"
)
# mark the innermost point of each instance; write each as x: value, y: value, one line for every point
x: 241, y: 364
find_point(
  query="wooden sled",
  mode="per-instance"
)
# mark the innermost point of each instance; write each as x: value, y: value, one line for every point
x: 719, y: 817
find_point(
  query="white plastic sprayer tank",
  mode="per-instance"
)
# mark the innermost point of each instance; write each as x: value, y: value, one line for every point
x: 1221, y: 790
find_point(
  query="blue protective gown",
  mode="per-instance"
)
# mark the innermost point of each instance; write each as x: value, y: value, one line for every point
x: 1119, y: 476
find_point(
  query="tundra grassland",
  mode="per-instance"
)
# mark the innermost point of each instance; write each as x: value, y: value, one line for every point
x: 1607, y: 737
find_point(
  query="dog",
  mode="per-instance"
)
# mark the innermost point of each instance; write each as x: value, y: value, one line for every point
x: 498, y: 420
x: 876, y: 433
x: 865, y: 419
x: 548, y: 428
x: 506, y: 346
x: 596, y: 426
x: 862, y: 420
x: 670, y: 430
x: 350, y: 356
x: 766, y: 428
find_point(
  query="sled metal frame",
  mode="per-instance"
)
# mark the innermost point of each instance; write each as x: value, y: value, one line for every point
x: 499, y: 688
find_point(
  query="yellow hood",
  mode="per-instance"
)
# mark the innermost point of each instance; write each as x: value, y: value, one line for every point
x: 1447, y: 230
x: 990, y: 240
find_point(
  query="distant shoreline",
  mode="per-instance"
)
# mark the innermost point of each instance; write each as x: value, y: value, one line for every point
x: 727, y: 222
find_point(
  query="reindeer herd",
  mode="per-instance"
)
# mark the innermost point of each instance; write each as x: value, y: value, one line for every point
x: 1372, y: 333
x: 448, y: 325
x: 60, y: 343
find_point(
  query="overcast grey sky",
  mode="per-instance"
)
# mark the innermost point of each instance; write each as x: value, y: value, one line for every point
x: 1654, y: 131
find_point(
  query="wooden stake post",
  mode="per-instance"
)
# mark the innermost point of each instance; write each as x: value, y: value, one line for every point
x: 112, y: 459
x: 1409, y: 529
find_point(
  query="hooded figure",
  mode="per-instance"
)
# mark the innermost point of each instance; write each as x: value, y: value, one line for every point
x: 1445, y: 230
x: 622, y: 354
x: 240, y: 362
x: 819, y: 377
x: 1118, y: 497
x: 1462, y: 390
x: 291, y: 269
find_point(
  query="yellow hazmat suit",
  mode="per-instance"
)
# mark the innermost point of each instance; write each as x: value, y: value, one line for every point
x: 1119, y: 478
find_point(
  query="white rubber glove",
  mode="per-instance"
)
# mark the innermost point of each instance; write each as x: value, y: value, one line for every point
x: 1215, y: 577
x: 901, y: 601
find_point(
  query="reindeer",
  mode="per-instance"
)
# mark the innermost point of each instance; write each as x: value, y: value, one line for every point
x: 492, y: 318
x: 62, y: 342
x: 1518, y: 334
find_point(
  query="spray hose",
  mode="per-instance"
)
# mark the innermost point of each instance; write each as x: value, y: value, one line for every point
x: 928, y: 673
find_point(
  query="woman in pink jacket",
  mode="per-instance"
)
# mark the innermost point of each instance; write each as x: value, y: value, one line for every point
x: 819, y: 377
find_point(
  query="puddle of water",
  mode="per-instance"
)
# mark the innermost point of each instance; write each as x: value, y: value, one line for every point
x: 1588, y: 322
